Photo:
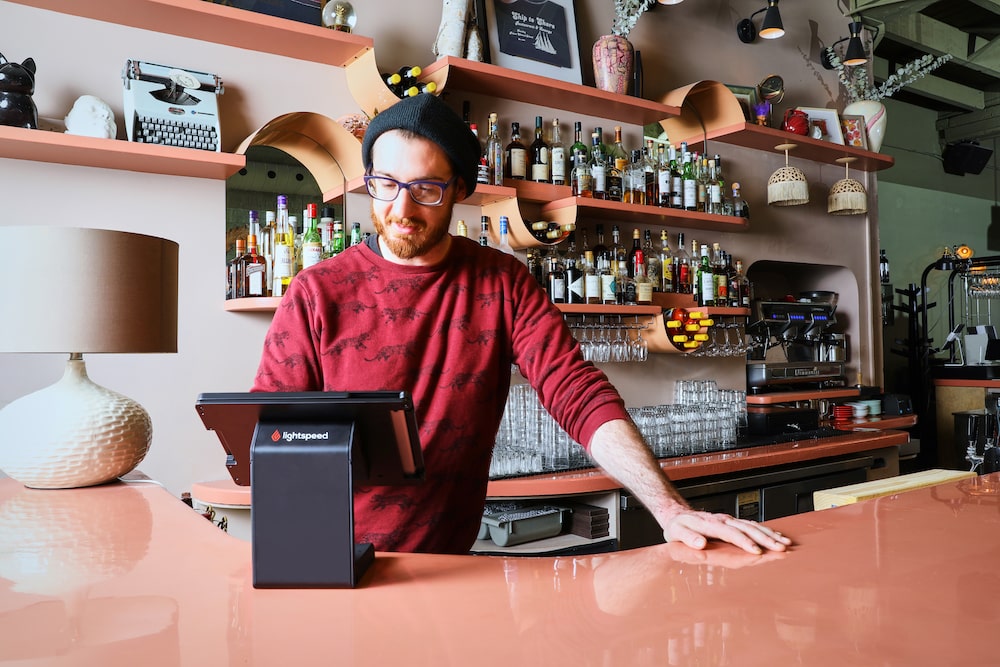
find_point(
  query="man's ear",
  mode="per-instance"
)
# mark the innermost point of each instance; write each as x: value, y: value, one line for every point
x: 460, y: 190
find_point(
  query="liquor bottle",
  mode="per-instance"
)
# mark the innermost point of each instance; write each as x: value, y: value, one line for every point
x: 283, y: 250
x: 654, y: 264
x: 617, y: 150
x: 540, y: 167
x: 740, y: 208
x: 609, y: 288
x: 600, y: 250
x: 557, y: 155
x: 355, y: 233
x: 505, y: 237
x: 576, y: 283
x: 617, y: 255
x: 636, y: 179
x: 533, y: 258
x: 706, y: 278
x: 582, y: 178
x: 254, y: 270
x: 429, y: 87
x: 591, y: 278
x: 689, y: 184
x: 635, y: 250
x: 662, y: 177
x: 625, y: 284
x: 616, y: 180
x: 494, y: 153
x: 717, y: 188
x: 883, y: 268
x: 693, y: 275
x: 682, y: 267
x: 326, y: 229
x: 719, y: 275
x: 236, y: 286
x: 312, y: 241
x: 745, y: 286
x: 337, y: 242
x: 578, y: 152
x: 516, y: 155
x: 293, y: 223
x: 556, y: 281
x: 644, y: 284
x: 461, y: 229
x: 484, y: 231
x: 667, y: 273
x: 598, y: 166
x: 676, y: 179
x: 701, y: 172
x: 652, y: 190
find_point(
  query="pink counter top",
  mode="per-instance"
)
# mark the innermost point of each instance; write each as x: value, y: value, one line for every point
x: 126, y: 574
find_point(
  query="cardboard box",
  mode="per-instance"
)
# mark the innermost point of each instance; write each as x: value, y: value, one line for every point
x: 304, y: 11
x: 846, y: 495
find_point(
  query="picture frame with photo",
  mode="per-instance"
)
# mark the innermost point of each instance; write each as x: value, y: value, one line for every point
x: 826, y: 123
x: 533, y: 36
x: 747, y: 97
x: 854, y: 130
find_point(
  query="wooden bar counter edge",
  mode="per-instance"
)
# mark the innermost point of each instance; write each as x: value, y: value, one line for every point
x: 126, y: 574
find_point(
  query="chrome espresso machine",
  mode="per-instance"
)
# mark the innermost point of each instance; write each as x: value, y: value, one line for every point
x: 793, y: 350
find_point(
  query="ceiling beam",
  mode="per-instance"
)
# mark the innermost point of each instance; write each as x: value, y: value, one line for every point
x: 937, y: 38
x: 973, y: 126
x: 882, y: 10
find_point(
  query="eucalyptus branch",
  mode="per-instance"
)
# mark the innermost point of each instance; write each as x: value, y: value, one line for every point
x: 855, y: 79
x: 627, y: 13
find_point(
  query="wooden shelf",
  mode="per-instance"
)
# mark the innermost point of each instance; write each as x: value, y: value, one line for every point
x: 763, y: 138
x: 572, y: 209
x: 804, y: 395
x: 598, y: 309
x: 219, y: 24
x: 266, y: 304
x: 477, y: 77
x: 56, y: 147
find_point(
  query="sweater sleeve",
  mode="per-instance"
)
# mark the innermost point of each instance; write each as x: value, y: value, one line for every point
x: 289, y: 360
x: 576, y: 393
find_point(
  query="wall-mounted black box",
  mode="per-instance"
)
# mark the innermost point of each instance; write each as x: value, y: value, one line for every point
x: 305, y: 11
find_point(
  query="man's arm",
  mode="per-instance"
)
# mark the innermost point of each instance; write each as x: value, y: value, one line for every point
x: 618, y: 448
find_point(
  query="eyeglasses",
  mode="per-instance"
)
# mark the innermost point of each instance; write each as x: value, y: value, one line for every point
x: 428, y: 193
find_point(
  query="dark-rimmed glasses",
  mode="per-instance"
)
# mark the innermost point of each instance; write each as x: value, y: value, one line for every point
x: 427, y: 193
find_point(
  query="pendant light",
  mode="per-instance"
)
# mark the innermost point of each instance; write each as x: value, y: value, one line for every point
x: 770, y: 28
x: 787, y: 186
x: 847, y: 196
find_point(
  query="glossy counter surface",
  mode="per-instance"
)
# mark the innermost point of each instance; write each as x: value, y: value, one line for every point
x: 126, y: 574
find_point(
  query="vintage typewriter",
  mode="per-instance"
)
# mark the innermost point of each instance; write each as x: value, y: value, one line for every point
x: 171, y: 106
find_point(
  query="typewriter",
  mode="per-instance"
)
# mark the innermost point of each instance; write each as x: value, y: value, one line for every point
x: 171, y: 106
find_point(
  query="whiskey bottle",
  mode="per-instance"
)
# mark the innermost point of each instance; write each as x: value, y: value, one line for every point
x: 616, y: 180
x: 235, y: 288
x: 643, y: 282
x: 540, y: 167
x: 591, y: 278
x: 254, y: 270
x: 556, y: 281
x: 654, y: 264
x: 598, y: 166
x: 516, y: 155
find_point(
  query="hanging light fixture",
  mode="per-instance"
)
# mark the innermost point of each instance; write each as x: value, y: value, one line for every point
x: 854, y: 54
x: 787, y: 186
x: 670, y: 2
x: 770, y: 28
x: 847, y: 196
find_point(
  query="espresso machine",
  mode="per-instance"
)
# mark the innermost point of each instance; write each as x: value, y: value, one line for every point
x: 792, y: 350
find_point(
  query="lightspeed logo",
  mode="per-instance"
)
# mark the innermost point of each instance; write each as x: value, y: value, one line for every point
x: 291, y: 436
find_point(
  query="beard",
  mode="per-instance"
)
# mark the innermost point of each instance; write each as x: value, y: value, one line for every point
x: 419, y: 243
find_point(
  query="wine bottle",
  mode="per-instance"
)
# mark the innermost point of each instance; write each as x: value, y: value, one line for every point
x: 682, y: 267
x: 689, y: 184
x: 312, y: 241
x: 598, y: 166
x: 556, y: 281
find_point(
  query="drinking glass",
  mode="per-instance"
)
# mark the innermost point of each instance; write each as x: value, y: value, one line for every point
x: 972, y: 424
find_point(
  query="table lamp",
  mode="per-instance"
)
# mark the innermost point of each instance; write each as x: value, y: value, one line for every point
x: 76, y: 291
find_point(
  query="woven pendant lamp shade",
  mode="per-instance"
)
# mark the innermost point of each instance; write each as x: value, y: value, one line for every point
x: 787, y: 186
x: 847, y: 196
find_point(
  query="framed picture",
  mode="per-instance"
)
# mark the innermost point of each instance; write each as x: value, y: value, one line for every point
x: 854, y: 131
x: 824, y: 124
x: 747, y: 97
x: 534, y: 36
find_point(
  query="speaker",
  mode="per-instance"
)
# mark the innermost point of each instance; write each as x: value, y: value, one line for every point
x: 965, y: 158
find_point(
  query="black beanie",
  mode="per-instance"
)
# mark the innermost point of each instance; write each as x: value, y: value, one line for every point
x: 431, y: 118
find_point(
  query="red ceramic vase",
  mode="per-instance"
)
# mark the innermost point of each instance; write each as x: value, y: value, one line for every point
x: 614, y: 59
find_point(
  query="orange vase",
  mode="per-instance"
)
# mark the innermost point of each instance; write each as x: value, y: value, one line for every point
x: 614, y: 59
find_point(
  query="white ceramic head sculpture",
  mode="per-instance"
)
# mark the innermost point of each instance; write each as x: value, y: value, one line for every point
x: 91, y: 117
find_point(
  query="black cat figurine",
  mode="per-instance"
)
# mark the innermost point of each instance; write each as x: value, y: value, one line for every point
x: 17, y: 83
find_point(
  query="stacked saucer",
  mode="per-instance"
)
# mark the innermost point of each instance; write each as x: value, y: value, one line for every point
x: 842, y: 412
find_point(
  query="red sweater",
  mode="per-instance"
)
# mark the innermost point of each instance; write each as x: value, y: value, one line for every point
x: 447, y: 334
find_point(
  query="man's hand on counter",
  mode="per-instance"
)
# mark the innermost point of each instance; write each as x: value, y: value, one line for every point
x: 693, y: 528
x: 619, y: 449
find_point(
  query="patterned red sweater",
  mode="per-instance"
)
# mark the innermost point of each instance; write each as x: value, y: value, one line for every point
x: 447, y: 334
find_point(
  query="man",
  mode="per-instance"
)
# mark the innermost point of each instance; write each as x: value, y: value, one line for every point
x: 416, y: 309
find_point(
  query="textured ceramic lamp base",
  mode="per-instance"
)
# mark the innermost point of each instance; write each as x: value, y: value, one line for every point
x: 74, y: 433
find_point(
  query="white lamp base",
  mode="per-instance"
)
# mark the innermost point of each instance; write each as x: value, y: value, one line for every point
x: 73, y: 433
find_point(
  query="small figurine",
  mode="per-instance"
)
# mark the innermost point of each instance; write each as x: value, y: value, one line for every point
x: 17, y: 83
x: 91, y: 117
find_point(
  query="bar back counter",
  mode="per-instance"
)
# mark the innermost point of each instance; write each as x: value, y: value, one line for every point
x: 126, y: 574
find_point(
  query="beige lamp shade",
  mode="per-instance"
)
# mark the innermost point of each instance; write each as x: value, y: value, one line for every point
x: 787, y: 186
x: 87, y: 290
x: 847, y: 196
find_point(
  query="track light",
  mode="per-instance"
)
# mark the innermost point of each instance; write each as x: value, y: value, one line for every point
x: 770, y: 27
